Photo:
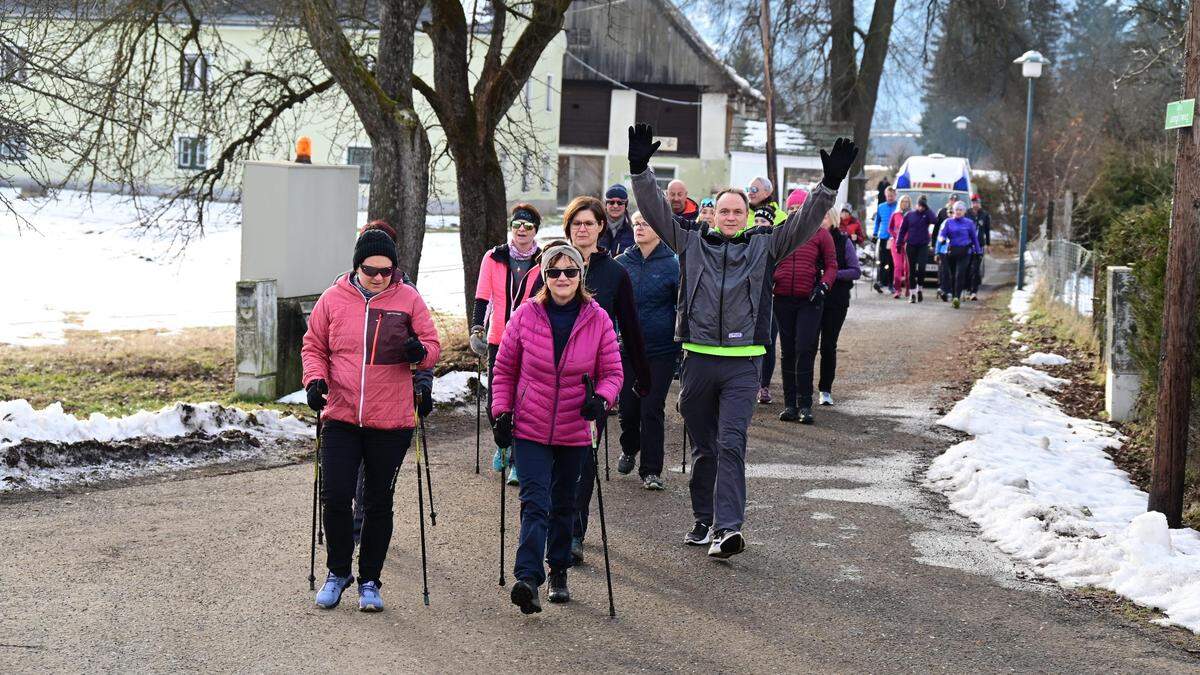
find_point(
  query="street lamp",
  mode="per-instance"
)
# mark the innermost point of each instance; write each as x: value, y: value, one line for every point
x: 961, y: 123
x: 1031, y: 68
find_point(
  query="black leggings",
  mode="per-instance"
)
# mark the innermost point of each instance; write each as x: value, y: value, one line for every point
x: 832, y: 318
x: 799, y: 330
x: 959, y: 259
x: 917, y: 255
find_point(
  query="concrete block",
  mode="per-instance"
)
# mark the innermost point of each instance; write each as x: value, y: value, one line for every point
x: 255, y: 387
x: 1122, y: 380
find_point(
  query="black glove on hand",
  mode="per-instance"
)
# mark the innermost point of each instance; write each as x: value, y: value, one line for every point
x: 837, y: 162
x: 316, y: 390
x: 424, y: 400
x: 642, y: 147
x: 594, y: 408
x: 414, y: 351
x: 818, y: 292
x: 502, y: 431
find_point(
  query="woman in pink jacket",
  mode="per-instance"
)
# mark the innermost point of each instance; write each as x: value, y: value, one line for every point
x: 506, y: 278
x: 898, y: 256
x: 542, y: 410
x: 366, y: 335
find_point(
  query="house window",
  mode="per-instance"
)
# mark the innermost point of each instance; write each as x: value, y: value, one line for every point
x: 579, y: 37
x: 579, y: 175
x: 547, y: 175
x: 193, y: 72
x: 663, y: 175
x: 526, y: 172
x: 191, y: 152
x: 549, y: 93
x: 13, y: 64
x: 362, y: 157
x: 14, y: 148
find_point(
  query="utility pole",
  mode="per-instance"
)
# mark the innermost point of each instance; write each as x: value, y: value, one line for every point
x: 764, y: 26
x: 1179, y: 306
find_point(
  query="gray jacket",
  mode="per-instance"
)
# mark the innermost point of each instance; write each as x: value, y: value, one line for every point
x: 725, y: 283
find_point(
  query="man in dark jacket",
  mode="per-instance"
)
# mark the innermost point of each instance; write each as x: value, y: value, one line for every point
x: 724, y: 325
x: 654, y: 271
x: 983, y: 227
x: 617, y: 236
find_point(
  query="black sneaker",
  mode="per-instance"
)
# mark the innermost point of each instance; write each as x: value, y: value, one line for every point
x: 576, y: 550
x: 727, y: 543
x: 525, y: 596
x: 806, y: 416
x: 789, y: 414
x: 652, y: 482
x: 558, y: 587
x: 625, y: 464
x: 877, y: 287
x: 700, y: 534
x: 920, y: 298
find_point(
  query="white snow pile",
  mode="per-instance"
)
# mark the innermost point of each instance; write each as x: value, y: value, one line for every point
x: 1045, y: 359
x: 19, y: 421
x: 1019, y: 305
x: 457, y: 386
x: 1041, y: 486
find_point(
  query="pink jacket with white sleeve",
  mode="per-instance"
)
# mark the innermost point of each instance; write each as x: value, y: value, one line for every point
x: 546, y: 398
x: 356, y: 346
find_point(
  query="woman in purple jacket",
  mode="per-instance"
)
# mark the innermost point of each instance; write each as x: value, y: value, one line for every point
x: 837, y: 304
x: 962, y: 240
x: 914, y: 241
x: 550, y: 343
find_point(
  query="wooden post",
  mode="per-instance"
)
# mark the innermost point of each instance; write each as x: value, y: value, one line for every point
x: 1179, y: 313
x: 764, y: 26
x: 1068, y: 208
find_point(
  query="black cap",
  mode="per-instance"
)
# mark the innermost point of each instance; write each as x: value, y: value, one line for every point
x: 374, y: 242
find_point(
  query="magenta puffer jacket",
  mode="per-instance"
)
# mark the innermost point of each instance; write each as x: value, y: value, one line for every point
x: 355, y: 346
x: 546, y: 398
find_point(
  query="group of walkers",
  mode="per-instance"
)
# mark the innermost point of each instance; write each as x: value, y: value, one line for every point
x: 960, y: 234
x: 574, y: 330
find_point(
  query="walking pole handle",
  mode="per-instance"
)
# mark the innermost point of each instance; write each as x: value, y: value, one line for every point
x: 589, y: 389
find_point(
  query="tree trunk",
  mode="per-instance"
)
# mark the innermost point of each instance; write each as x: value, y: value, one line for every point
x: 764, y: 28
x: 483, y: 213
x: 1179, y: 312
x: 400, y: 191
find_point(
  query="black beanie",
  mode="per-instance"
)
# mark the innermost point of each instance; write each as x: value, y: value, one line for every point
x: 374, y: 242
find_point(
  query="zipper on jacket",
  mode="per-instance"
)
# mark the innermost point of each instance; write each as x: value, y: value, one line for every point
x: 362, y: 382
x: 721, y: 300
x: 558, y: 367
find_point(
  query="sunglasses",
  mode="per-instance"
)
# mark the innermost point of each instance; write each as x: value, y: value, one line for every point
x: 374, y: 271
x: 615, y: 202
x: 753, y: 190
x: 556, y: 272
x: 523, y: 225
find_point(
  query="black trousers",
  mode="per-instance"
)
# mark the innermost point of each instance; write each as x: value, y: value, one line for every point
x: 643, y: 419
x: 799, y: 328
x: 344, y: 447
x: 768, y: 362
x: 976, y: 272
x: 886, y: 267
x: 917, y: 255
x: 959, y: 260
x: 832, y: 318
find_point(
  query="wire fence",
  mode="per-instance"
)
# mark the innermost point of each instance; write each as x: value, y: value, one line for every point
x: 1066, y: 273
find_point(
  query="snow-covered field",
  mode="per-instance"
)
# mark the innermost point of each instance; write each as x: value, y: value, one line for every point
x: 87, y: 264
x: 1042, y: 486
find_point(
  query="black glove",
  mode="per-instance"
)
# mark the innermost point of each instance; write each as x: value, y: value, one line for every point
x: 315, y: 390
x: 414, y: 351
x: 594, y: 408
x: 424, y: 400
x: 641, y: 147
x: 818, y: 292
x: 836, y: 162
x: 502, y: 431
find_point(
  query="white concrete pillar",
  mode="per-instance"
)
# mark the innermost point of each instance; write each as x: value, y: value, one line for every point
x: 712, y: 125
x: 255, y: 335
x: 1122, y: 380
x: 621, y: 114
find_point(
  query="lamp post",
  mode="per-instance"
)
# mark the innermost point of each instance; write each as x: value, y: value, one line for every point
x: 961, y: 123
x: 1031, y: 68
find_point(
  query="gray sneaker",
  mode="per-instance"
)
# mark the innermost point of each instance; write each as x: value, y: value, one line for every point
x: 652, y: 482
x: 625, y: 464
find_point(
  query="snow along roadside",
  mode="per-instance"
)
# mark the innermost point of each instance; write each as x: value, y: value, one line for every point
x: 454, y: 388
x: 1041, y: 485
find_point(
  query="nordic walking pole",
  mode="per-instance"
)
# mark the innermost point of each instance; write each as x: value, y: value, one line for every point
x: 503, y: 473
x: 428, y: 479
x: 312, y: 553
x: 421, y: 520
x: 591, y: 389
x: 478, y: 411
x: 605, y: 448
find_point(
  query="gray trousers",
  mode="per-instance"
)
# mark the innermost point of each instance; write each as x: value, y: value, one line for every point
x: 717, y: 401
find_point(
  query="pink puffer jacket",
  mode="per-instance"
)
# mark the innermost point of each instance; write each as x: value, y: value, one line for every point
x: 355, y: 346
x: 496, y: 286
x: 546, y: 398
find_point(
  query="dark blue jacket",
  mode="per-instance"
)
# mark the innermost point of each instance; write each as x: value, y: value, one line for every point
x: 621, y: 241
x: 655, y: 289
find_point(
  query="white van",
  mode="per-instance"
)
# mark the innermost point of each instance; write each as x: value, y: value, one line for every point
x: 937, y: 177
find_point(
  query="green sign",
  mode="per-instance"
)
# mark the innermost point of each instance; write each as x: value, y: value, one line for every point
x: 1179, y: 113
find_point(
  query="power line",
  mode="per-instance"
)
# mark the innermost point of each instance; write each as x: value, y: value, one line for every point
x: 626, y: 87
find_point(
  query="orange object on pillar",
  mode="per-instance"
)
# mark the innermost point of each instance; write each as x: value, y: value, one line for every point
x: 304, y: 150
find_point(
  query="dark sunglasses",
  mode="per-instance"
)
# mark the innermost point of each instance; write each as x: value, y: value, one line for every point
x: 373, y: 271
x: 621, y: 202
x: 556, y: 272
x: 753, y: 190
x: 523, y: 225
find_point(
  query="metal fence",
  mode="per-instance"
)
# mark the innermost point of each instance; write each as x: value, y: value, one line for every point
x: 1065, y: 272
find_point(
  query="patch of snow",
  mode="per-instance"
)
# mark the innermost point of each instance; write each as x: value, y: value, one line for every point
x: 787, y: 137
x: 457, y: 386
x: 1041, y: 486
x: 1045, y: 359
x: 295, y: 398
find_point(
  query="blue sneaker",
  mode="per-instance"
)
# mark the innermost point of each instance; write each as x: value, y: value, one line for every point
x: 369, y: 599
x: 512, y: 476
x: 498, y: 460
x: 331, y: 593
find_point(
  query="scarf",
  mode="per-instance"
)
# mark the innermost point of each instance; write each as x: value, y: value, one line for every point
x: 517, y: 255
